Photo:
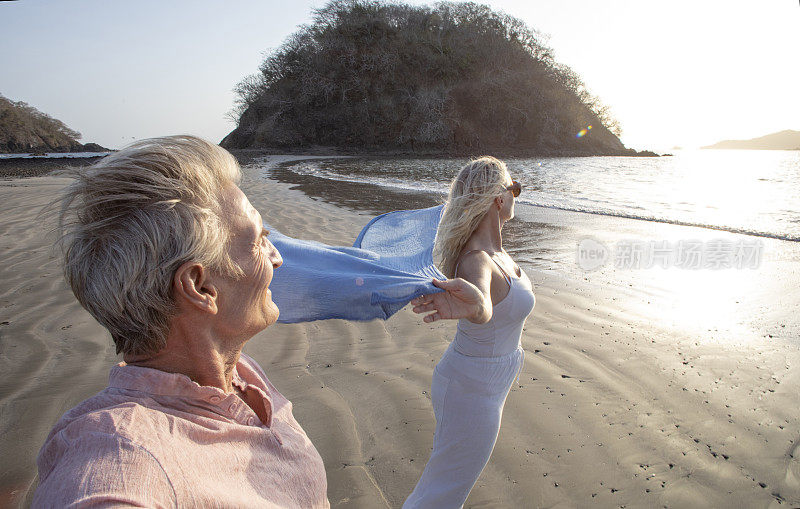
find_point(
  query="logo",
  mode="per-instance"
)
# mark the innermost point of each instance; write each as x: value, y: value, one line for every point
x: 592, y: 254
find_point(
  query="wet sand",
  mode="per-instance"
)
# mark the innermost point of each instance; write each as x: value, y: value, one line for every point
x: 19, y: 167
x: 625, y: 399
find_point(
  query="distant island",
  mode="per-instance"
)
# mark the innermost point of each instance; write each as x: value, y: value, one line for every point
x: 784, y: 140
x: 24, y: 129
x: 452, y: 78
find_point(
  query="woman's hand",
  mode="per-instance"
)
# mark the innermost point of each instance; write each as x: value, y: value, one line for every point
x: 460, y: 299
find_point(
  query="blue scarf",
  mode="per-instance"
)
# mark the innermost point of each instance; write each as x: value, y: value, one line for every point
x: 390, y: 263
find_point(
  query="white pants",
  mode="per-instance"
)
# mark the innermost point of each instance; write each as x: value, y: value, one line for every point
x: 468, y: 394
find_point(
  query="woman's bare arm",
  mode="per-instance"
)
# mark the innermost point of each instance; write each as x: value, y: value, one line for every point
x: 468, y: 296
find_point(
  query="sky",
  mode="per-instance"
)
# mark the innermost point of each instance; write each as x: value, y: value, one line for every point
x: 681, y: 73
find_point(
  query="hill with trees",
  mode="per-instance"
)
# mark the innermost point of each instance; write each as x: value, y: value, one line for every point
x: 449, y: 78
x: 783, y: 140
x: 23, y: 128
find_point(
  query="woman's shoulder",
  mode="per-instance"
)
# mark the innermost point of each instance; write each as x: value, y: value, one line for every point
x: 473, y: 261
x: 474, y: 256
x: 480, y: 253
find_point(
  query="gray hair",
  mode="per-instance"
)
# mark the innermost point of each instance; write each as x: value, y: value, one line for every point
x: 129, y: 221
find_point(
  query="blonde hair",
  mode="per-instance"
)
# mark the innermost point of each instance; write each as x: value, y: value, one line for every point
x: 472, y: 193
x: 129, y: 221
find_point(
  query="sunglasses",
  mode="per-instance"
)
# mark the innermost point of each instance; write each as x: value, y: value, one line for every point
x: 515, y: 188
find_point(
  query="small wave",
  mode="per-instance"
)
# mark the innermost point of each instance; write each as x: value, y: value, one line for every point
x: 313, y: 171
x: 731, y: 229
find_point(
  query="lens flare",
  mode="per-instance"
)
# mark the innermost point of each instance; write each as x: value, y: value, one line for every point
x: 583, y: 132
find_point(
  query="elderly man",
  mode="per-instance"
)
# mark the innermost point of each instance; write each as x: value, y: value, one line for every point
x: 166, y: 252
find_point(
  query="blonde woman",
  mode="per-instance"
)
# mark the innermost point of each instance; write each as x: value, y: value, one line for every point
x: 472, y: 379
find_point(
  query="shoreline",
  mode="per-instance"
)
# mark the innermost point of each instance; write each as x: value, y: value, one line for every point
x: 315, y: 185
x: 24, y: 167
x: 620, y: 401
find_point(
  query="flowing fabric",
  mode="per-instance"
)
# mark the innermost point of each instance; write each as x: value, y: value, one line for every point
x: 390, y: 263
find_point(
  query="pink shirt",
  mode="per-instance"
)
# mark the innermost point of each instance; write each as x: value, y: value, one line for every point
x: 155, y: 439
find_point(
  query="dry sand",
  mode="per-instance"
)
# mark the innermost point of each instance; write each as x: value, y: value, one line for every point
x: 617, y: 406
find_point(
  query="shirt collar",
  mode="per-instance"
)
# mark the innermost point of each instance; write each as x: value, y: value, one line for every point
x: 160, y: 383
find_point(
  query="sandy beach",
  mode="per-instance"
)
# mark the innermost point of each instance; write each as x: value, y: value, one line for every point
x: 623, y: 401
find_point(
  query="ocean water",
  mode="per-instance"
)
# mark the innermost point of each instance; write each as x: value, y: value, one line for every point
x: 750, y: 192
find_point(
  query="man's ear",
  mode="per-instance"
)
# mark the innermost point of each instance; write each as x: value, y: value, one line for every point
x: 193, y: 285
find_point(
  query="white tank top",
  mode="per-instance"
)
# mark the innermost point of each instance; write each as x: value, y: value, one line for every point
x: 501, y: 334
